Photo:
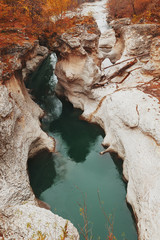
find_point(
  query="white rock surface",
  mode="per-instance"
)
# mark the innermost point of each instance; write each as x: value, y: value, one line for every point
x: 31, y: 222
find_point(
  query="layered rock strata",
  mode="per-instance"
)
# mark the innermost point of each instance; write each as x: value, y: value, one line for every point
x: 121, y: 94
x: 21, y: 137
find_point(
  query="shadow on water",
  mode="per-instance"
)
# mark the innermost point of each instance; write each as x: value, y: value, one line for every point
x: 119, y: 166
x: 39, y: 81
x: 42, y: 172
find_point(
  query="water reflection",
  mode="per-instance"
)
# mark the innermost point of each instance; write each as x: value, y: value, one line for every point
x: 78, y: 135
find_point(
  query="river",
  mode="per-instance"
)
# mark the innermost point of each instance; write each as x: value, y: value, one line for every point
x: 77, y: 171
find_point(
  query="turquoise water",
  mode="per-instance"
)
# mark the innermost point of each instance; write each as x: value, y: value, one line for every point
x: 77, y: 171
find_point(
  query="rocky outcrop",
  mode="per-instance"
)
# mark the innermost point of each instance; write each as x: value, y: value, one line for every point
x: 21, y: 137
x: 31, y: 222
x: 121, y: 94
x: 24, y: 58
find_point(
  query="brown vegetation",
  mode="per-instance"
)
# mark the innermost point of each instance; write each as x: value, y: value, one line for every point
x: 143, y: 11
x: 32, y: 17
x: 24, y: 21
x: 27, y: 18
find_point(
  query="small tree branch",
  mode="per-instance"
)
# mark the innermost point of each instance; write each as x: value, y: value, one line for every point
x: 115, y: 74
x: 138, y: 56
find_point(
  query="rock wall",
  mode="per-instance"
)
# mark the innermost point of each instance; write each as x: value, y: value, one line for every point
x: 121, y: 94
x: 21, y: 137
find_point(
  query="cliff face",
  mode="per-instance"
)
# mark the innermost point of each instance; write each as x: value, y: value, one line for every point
x: 21, y: 137
x: 117, y: 86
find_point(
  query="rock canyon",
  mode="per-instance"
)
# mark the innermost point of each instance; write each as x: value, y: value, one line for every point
x: 113, y: 75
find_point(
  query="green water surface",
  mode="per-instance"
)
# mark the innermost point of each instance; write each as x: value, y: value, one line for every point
x: 77, y: 171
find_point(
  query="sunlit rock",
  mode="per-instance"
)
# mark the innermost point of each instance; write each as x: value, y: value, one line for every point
x: 31, y: 222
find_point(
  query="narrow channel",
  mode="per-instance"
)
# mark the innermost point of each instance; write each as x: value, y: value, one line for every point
x: 77, y: 170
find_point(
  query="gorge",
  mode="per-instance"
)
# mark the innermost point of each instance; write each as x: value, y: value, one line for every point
x: 114, y: 79
x: 77, y: 170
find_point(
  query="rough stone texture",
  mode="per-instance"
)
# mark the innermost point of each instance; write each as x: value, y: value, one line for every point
x: 26, y: 58
x: 124, y: 101
x: 118, y: 23
x: 21, y: 137
x: 78, y: 43
x: 26, y: 221
x: 38, y: 55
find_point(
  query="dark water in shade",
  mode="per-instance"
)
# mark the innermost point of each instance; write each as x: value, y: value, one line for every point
x: 77, y: 170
